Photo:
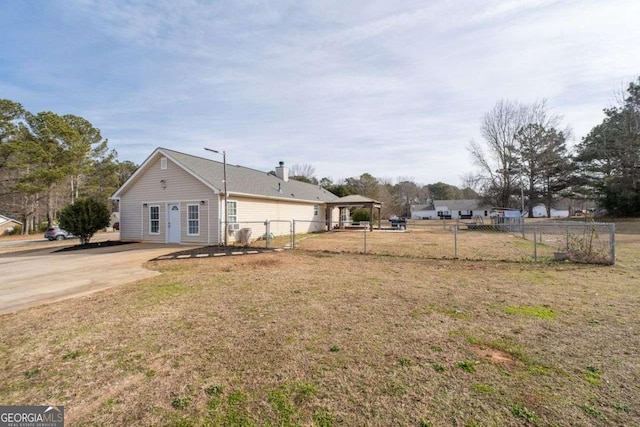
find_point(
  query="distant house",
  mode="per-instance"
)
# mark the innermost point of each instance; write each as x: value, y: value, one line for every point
x: 451, y: 209
x: 540, y: 211
x: 8, y: 225
x: 175, y: 197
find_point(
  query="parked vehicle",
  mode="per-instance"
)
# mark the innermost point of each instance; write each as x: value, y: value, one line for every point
x: 57, y: 233
x: 398, y: 222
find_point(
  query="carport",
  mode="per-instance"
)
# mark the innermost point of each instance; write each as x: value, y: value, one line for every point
x: 351, y: 202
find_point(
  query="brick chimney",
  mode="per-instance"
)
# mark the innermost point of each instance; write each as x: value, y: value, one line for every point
x: 282, y: 172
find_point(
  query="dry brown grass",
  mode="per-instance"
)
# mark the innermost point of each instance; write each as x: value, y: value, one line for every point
x: 317, y: 338
x: 432, y: 241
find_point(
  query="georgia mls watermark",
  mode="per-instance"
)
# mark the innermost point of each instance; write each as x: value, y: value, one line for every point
x: 31, y: 416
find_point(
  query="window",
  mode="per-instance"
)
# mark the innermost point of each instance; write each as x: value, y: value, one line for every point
x: 154, y: 219
x: 193, y: 219
x: 163, y: 163
x: 316, y: 210
x: 232, y: 212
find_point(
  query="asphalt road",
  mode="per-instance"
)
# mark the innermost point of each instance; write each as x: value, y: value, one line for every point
x: 43, y: 276
x: 21, y: 242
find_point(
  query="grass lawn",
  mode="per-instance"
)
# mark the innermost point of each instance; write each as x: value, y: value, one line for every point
x: 308, y: 338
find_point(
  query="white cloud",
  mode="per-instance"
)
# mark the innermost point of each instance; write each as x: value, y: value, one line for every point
x: 394, y: 89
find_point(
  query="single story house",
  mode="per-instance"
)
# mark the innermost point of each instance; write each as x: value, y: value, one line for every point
x: 8, y: 225
x: 451, y: 209
x: 175, y: 197
x: 540, y: 211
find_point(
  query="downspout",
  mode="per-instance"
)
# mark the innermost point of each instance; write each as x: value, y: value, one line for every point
x: 219, y: 239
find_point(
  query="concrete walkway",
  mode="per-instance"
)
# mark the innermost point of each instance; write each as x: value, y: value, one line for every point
x: 43, y: 276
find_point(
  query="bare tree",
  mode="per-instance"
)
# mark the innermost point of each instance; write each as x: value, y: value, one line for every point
x: 407, y: 194
x: 497, y: 157
x: 516, y: 141
x: 470, y: 180
x: 303, y: 172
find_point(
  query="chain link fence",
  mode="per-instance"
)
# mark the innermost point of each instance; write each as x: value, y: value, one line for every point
x: 266, y: 234
x: 584, y: 242
x: 499, y: 239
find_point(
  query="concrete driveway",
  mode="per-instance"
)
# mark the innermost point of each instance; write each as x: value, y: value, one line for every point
x: 36, y: 277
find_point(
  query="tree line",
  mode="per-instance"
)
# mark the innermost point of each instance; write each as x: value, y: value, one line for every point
x: 49, y: 160
x: 397, y: 198
x: 523, y: 158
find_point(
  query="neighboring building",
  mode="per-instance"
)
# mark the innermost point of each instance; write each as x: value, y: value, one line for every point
x: 179, y: 198
x: 8, y: 225
x: 540, y: 211
x: 451, y: 209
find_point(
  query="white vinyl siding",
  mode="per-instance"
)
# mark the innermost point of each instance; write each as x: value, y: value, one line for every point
x: 178, y: 187
x: 193, y: 220
x: 316, y: 210
x: 232, y: 216
x: 154, y: 219
x: 251, y: 213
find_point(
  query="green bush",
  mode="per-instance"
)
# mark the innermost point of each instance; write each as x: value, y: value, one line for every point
x: 83, y: 218
x: 361, y: 215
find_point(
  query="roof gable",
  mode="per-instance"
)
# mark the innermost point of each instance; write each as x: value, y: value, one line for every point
x: 147, y: 164
x: 5, y: 219
x: 241, y: 181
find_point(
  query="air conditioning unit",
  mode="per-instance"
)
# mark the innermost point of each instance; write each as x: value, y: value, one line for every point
x: 233, y: 227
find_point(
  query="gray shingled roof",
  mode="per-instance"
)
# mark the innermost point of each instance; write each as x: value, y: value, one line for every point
x: 242, y: 180
x: 459, y: 205
x: 454, y: 205
x: 355, y: 198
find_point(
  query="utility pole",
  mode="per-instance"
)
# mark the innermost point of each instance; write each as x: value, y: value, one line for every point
x: 226, y: 199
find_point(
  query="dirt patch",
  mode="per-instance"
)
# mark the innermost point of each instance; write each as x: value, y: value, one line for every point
x: 495, y: 356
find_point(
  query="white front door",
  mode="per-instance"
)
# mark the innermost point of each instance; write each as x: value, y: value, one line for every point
x: 173, y: 223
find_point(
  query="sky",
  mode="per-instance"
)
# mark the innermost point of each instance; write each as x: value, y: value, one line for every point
x: 396, y: 89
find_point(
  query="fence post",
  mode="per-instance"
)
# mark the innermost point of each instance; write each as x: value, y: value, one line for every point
x: 567, y: 238
x: 455, y: 242
x: 535, y: 245
x: 293, y: 234
x: 267, y: 233
x: 291, y: 231
x: 365, y: 240
x: 612, y: 243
